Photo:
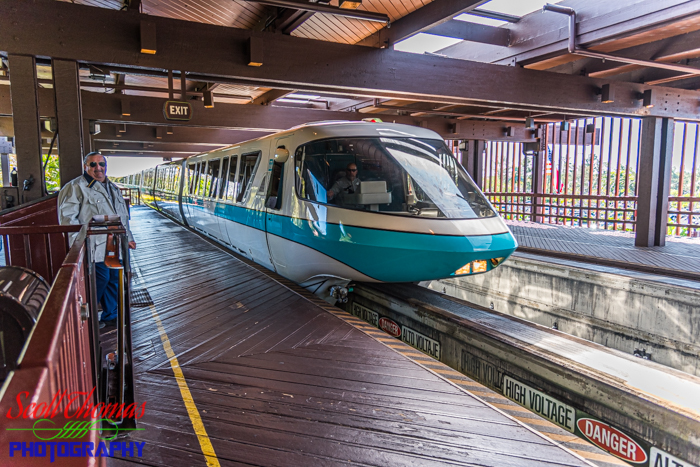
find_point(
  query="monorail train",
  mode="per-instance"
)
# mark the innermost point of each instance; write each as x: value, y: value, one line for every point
x: 328, y: 203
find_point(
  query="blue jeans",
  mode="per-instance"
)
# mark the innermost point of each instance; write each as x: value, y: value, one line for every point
x: 107, y: 281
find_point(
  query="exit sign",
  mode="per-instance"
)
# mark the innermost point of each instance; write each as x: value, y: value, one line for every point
x: 177, y: 110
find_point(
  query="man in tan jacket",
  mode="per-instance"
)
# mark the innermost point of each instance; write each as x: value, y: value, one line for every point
x: 82, y: 198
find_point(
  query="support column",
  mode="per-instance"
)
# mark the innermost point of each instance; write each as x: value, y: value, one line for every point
x: 539, y: 165
x: 87, y: 141
x: 653, y: 181
x: 25, y: 116
x: 473, y: 160
x: 5, y: 164
x: 69, y: 116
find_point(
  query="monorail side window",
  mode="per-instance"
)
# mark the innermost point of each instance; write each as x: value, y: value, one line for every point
x: 190, y: 178
x: 231, y: 185
x: 176, y: 178
x: 169, y: 182
x: 204, y: 180
x: 249, y: 166
x: 224, y: 177
x: 213, y: 178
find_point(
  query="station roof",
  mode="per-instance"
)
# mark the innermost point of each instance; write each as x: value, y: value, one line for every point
x: 509, y: 61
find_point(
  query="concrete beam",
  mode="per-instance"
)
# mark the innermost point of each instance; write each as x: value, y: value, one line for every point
x: 331, y: 67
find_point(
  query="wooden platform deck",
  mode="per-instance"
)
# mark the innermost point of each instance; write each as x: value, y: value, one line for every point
x: 614, y: 248
x: 239, y: 367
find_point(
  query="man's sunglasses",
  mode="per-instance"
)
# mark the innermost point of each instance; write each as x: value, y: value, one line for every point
x: 352, y: 170
x: 94, y: 164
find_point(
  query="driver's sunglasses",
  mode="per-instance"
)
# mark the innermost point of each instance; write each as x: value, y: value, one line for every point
x: 94, y: 164
x: 352, y: 170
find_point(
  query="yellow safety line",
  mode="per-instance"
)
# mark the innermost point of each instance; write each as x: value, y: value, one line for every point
x: 199, y: 430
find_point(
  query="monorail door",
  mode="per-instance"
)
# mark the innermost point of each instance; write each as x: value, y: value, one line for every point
x: 277, y: 202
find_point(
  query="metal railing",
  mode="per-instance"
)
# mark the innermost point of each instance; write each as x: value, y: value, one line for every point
x: 41, y: 250
x: 132, y: 195
x: 63, y: 354
x: 57, y: 360
x: 684, y: 199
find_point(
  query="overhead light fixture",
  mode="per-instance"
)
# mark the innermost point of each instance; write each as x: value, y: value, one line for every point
x: 94, y: 127
x: 208, y: 99
x: 148, y: 37
x: 646, y: 99
x: 530, y: 148
x: 350, y: 5
x: 122, y: 128
x: 255, y: 51
x: 530, y: 123
x: 564, y: 126
x: 607, y: 96
x: 126, y: 108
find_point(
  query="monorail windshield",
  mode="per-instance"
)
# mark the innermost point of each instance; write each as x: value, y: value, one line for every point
x: 408, y: 176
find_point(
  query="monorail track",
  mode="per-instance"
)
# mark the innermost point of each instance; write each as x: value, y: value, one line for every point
x: 597, y: 393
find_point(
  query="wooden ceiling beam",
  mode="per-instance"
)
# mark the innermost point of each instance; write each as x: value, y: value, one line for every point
x: 154, y: 147
x: 472, y: 32
x: 421, y: 20
x: 332, y: 67
x: 291, y: 19
x: 270, y: 96
x: 672, y: 49
x: 539, y: 40
x: 109, y: 132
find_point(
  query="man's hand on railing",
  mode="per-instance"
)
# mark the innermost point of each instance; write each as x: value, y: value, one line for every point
x: 132, y: 245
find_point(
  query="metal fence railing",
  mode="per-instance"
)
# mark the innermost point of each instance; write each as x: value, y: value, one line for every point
x: 61, y: 363
x: 588, y: 177
x: 684, y: 199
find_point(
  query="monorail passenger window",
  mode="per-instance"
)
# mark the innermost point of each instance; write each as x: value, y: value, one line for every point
x: 177, y: 171
x: 171, y: 178
x: 231, y: 185
x: 224, y: 177
x: 249, y: 166
x: 192, y: 178
x: 213, y: 178
x: 274, y: 198
x: 204, y: 180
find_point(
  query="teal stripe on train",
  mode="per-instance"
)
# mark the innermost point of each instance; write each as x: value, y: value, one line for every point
x: 384, y: 255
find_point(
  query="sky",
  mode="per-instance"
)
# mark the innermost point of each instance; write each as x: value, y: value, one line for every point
x: 118, y: 166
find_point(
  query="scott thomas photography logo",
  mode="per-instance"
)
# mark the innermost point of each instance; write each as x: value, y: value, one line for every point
x: 60, y: 433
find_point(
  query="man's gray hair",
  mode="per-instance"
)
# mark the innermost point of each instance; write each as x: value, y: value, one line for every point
x: 94, y: 153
